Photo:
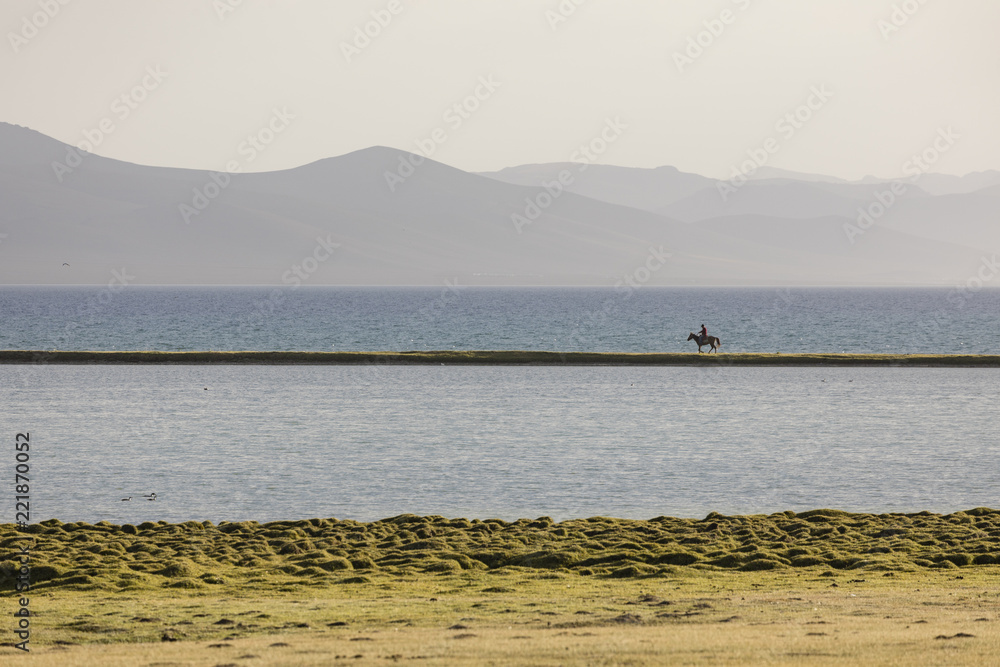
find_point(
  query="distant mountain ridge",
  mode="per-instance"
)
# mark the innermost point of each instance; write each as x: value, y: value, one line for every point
x: 382, y: 216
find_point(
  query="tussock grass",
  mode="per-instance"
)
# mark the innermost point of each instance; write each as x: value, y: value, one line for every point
x: 321, y: 552
x: 789, y: 588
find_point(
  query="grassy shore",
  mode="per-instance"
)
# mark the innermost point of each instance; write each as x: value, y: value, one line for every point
x: 820, y: 586
x: 497, y: 358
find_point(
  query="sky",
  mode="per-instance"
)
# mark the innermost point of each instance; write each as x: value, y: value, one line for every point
x: 846, y: 88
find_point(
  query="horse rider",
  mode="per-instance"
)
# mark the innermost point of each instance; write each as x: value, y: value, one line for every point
x: 703, y: 334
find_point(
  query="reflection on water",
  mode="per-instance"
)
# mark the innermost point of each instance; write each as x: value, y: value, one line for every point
x: 367, y: 442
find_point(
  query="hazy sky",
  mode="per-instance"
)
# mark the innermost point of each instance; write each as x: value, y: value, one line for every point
x: 186, y: 82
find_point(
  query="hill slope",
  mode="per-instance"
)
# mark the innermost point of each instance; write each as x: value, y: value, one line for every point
x: 371, y: 217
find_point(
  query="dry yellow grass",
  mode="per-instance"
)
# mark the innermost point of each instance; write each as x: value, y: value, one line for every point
x: 712, y: 618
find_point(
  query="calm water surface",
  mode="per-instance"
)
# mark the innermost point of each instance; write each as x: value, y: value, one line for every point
x: 275, y: 442
x: 563, y: 319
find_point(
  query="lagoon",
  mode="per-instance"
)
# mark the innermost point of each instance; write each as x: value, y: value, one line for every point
x: 368, y: 442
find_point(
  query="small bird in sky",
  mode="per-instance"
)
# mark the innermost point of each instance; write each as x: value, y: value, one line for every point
x: 65, y: 263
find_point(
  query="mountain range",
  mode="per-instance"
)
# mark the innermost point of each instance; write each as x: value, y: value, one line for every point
x: 381, y: 216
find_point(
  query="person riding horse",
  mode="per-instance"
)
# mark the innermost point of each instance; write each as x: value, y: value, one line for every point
x: 702, y: 338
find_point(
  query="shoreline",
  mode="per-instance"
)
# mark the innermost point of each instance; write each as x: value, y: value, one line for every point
x: 498, y: 358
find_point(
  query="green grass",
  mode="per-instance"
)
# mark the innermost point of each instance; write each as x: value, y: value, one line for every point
x: 498, y: 357
x: 326, y: 552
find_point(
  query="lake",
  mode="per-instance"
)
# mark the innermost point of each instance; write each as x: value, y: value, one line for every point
x: 368, y: 442
x: 648, y: 319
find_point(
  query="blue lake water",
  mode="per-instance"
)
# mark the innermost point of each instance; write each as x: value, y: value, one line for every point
x: 367, y: 442
x: 648, y: 319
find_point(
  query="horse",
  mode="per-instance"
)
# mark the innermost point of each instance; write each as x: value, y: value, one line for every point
x: 713, y: 342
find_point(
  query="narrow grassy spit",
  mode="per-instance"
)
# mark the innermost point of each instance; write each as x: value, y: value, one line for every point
x: 789, y: 588
x: 499, y: 358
